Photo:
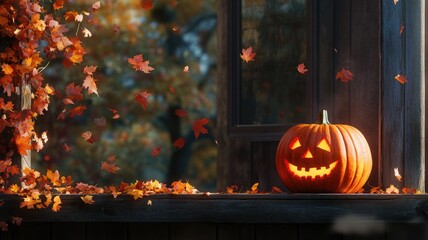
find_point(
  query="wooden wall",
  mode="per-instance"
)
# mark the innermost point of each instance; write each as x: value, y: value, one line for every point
x: 205, y: 231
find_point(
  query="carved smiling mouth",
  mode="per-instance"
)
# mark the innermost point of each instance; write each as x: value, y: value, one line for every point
x: 311, y: 172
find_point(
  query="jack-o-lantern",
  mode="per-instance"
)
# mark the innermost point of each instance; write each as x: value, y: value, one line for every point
x: 323, y: 157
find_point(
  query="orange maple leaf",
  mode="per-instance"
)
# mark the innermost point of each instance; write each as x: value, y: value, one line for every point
x: 247, y: 55
x: 143, y: 98
x: 401, y: 79
x: 88, y: 137
x: 87, y: 199
x: 77, y: 111
x: 58, y: 4
x: 23, y: 144
x: 139, y: 64
x: 179, y: 143
x: 232, y: 189
x: 198, y: 127
x: 57, y: 204
x: 344, y: 75
x: 276, y: 189
x: 6, y: 68
x: 89, y: 83
x: 392, y: 190
x: 301, y: 68
x: 109, y: 167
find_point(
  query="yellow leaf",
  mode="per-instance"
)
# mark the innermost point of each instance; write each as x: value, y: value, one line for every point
x: 87, y: 199
x: 57, y: 204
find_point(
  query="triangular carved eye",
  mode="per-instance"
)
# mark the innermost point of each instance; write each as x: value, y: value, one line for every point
x: 295, y: 143
x: 324, y: 145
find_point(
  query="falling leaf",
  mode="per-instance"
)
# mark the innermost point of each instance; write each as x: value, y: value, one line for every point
x: 254, y: 188
x: 109, y: 167
x: 139, y: 64
x: 86, y: 32
x: 397, y: 175
x: 180, y: 112
x: 66, y: 147
x: 88, y: 137
x: 96, y: 6
x: 276, y: 189
x: 147, y: 4
x: 186, y: 69
x: 179, y: 143
x: 149, y: 202
x: 70, y: 16
x: 79, y: 18
x: 143, y: 98
x: 392, y: 190
x: 57, y: 204
x: 87, y: 199
x: 156, y: 151
x: 89, y: 83
x: 198, y: 127
x: 247, y: 55
x: 77, y: 111
x: 345, y: 75
x: 401, y: 79
x: 395, y: 2
x: 401, y: 29
x: 301, y: 68
x: 67, y: 101
x: 115, y: 113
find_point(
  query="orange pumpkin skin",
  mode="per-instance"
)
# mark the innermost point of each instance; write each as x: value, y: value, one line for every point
x: 323, y: 157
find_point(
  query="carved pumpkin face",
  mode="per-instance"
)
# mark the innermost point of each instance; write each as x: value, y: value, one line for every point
x: 323, y: 158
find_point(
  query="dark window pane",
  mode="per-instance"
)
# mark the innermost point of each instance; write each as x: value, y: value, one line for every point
x: 272, y: 91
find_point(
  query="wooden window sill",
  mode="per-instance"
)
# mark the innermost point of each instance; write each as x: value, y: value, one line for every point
x: 227, y: 208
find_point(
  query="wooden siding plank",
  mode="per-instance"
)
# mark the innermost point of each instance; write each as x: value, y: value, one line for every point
x: 276, y: 231
x: 235, y: 231
x: 148, y: 231
x: 317, y: 231
x: 398, y: 231
x: 193, y: 231
x: 414, y: 111
x: 33, y: 231
x: 107, y: 231
x: 365, y: 88
x: 342, y: 59
x: 325, y: 61
x: 224, y: 208
x: 68, y: 231
x: 393, y: 63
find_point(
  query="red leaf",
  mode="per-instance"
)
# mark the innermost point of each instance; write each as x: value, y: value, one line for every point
x: 156, y: 151
x: 77, y: 111
x: 247, y: 54
x: 88, y: 137
x: 115, y: 113
x: 67, y: 101
x: 301, y: 68
x: 90, y: 70
x: 401, y: 79
x: 198, y: 127
x: 147, y: 4
x: 345, y: 75
x: 139, y: 64
x: 74, y: 92
x: 142, y: 98
x: 180, y: 112
x: 109, y: 167
x: 179, y: 143
x: 58, y: 4
x: 66, y: 147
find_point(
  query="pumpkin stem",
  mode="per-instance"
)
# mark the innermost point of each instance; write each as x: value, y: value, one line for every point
x: 323, y: 117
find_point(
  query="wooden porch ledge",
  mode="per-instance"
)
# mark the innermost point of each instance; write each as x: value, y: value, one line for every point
x: 226, y: 208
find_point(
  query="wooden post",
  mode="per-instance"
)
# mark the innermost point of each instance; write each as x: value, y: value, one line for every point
x: 26, y: 104
x: 403, y: 113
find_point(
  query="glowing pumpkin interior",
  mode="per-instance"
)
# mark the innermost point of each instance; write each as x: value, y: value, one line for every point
x: 310, y: 172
